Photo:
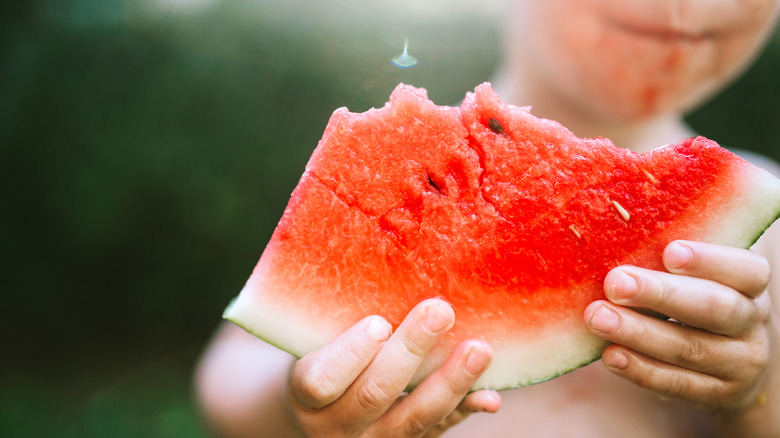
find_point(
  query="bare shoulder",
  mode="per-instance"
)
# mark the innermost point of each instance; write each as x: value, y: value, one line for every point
x: 237, y: 377
x: 232, y: 359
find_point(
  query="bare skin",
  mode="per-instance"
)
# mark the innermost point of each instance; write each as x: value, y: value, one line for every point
x: 713, y: 369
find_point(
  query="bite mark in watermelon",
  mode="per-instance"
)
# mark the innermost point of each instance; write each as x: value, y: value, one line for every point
x: 510, y: 218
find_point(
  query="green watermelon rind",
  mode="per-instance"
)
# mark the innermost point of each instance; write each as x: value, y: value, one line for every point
x: 758, y: 235
x: 554, y: 376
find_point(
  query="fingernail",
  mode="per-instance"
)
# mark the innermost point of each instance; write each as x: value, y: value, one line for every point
x: 604, y: 320
x: 624, y: 286
x: 437, y: 319
x: 378, y: 329
x: 677, y: 256
x: 477, y: 360
x: 616, y: 359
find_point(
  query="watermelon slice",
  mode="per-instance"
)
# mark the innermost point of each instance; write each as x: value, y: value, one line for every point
x: 510, y: 218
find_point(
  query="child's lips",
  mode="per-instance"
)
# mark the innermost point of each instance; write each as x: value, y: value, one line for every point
x: 661, y: 33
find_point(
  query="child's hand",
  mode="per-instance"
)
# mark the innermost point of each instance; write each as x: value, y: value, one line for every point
x: 715, y: 352
x: 353, y: 386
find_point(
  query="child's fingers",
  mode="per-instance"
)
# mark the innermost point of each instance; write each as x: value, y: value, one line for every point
x: 743, y: 270
x: 481, y: 401
x: 321, y: 377
x: 431, y: 407
x: 675, y: 344
x: 383, y: 381
x: 697, y: 302
x: 701, y: 389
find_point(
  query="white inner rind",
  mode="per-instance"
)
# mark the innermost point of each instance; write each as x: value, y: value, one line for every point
x: 748, y: 213
x: 556, y: 349
x: 294, y: 333
x: 542, y: 359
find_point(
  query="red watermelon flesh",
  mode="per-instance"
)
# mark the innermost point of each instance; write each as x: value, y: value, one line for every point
x: 510, y: 218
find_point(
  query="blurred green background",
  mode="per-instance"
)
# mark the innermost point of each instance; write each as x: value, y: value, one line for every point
x: 147, y: 149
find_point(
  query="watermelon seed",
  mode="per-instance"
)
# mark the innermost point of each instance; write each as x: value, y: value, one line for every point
x: 650, y: 177
x: 342, y: 129
x: 575, y: 231
x: 621, y: 210
x: 433, y: 184
x: 495, y: 126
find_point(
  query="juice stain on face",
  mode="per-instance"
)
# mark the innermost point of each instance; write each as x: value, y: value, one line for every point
x: 405, y: 60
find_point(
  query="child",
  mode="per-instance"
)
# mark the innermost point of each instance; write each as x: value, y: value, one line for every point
x: 625, y: 70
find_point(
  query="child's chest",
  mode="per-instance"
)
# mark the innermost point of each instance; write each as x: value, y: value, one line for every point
x: 590, y: 402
